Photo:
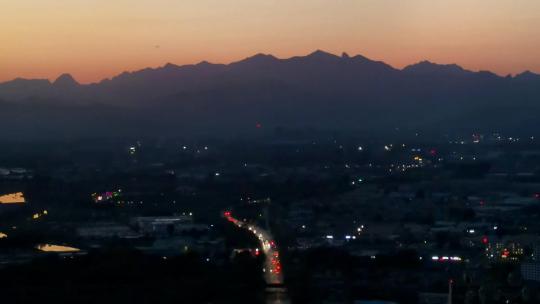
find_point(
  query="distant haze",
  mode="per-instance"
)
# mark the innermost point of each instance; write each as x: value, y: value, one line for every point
x: 96, y: 39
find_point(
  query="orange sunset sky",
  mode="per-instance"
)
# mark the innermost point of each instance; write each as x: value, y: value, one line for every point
x: 96, y: 39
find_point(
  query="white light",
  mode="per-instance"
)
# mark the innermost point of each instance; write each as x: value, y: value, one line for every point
x: 435, y: 258
x: 348, y: 237
x: 329, y: 237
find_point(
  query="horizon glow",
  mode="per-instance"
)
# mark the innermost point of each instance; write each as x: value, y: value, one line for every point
x: 98, y: 39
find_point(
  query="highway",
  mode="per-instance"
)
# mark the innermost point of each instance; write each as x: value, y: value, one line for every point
x: 275, y: 292
x: 272, y: 265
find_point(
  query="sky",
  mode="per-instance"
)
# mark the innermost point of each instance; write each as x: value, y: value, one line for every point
x: 97, y: 39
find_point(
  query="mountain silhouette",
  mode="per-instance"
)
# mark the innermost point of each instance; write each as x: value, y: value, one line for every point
x: 429, y: 68
x: 65, y: 81
x: 319, y: 90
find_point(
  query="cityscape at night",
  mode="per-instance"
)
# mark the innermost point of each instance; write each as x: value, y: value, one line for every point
x: 355, y: 151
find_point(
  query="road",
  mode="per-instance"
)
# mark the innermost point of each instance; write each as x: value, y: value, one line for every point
x: 275, y: 292
x: 272, y: 265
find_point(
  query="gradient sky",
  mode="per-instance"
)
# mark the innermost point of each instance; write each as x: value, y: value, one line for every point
x: 95, y: 39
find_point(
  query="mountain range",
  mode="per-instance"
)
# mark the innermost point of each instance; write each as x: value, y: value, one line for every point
x: 319, y: 90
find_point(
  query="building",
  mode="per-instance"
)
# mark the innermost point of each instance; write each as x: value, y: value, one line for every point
x: 531, y: 271
x: 106, y: 230
x: 12, y: 198
x: 163, y: 226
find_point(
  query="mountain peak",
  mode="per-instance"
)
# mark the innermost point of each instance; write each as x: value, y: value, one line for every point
x: 321, y: 54
x: 528, y: 75
x: 65, y: 80
x: 204, y: 63
x: 360, y: 58
x: 259, y: 58
x: 169, y: 65
x: 428, y: 67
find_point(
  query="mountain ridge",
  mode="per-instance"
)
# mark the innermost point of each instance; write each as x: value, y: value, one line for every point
x: 317, y: 90
x: 316, y: 53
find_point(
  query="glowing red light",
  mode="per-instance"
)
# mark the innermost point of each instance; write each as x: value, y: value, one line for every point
x: 433, y: 152
x: 485, y: 240
x: 227, y: 213
x: 258, y: 125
